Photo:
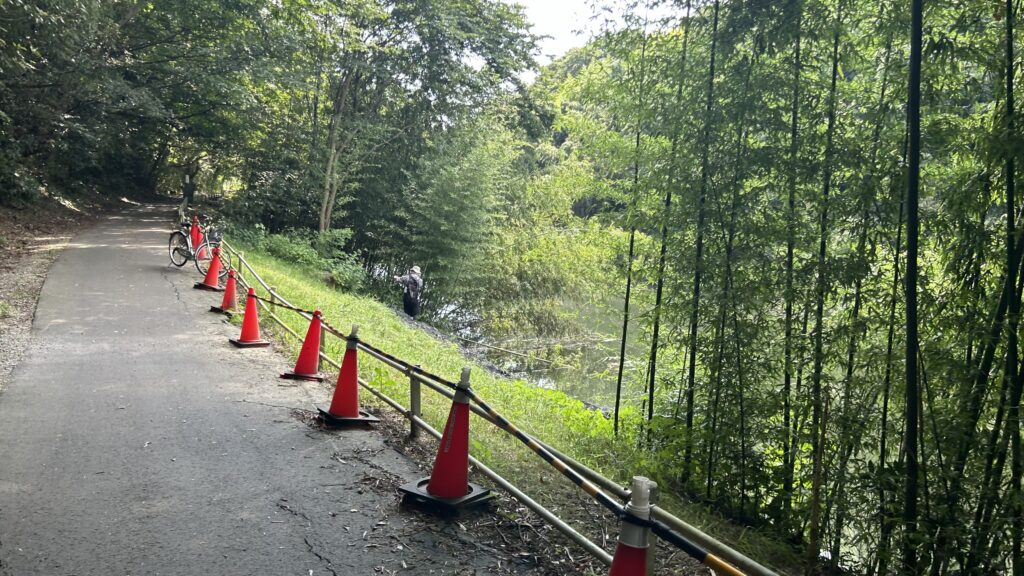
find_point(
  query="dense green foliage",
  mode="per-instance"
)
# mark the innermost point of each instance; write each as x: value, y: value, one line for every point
x: 741, y: 166
x: 567, y: 423
x: 779, y: 129
x: 96, y: 93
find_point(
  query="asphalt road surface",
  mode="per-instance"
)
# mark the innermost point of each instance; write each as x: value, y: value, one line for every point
x: 134, y: 440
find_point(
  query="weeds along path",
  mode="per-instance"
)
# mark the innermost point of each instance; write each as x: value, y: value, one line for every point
x: 134, y: 439
x: 30, y: 238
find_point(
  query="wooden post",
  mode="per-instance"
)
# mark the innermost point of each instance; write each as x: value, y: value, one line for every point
x: 415, y: 408
x: 320, y: 354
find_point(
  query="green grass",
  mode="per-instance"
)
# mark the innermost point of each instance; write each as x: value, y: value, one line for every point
x: 548, y: 415
x: 5, y: 310
x: 552, y: 414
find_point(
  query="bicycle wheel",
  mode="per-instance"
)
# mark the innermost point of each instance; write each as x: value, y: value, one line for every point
x: 204, y: 255
x: 225, y: 263
x: 177, y: 247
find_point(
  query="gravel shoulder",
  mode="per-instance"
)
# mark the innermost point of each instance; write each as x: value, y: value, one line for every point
x: 30, y: 239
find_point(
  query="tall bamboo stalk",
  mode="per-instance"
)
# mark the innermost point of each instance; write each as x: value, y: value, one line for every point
x: 632, y: 231
x: 1013, y: 317
x: 817, y: 396
x: 666, y: 218
x: 912, y: 394
x: 788, y: 455
x: 698, y: 258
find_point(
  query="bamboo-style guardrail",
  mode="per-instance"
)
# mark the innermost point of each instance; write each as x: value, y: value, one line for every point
x: 418, y: 378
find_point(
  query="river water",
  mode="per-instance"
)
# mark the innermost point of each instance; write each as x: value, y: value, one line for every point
x: 584, y: 368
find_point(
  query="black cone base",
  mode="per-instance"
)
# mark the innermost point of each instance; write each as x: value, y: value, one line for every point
x: 201, y: 286
x: 221, y: 310
x: 417, y: 492
x: 340, y: 421
x: 249, y: 343
x: 289, y: 375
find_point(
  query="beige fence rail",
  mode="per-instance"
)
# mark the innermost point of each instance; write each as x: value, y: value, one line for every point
x: 419, y: 378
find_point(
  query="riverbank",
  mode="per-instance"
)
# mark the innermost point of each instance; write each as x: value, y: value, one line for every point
x: 566, y: 423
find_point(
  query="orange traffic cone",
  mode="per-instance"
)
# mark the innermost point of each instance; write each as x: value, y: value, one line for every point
x: 230, y: 300
x: 193, y: 232
x: 631, y: 552
x: 345, y: 403
x: 308, y: 365
x: 212, y: 280
x: 448, y: 484
x: 250, y: 337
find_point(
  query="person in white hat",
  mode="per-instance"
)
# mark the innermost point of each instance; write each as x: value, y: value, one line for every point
x: 412, y: 285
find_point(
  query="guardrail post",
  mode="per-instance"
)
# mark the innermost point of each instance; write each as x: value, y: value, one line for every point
x: 320, y: 352
x: 273, y: 298
x: 415, y: 408
x: 652, y: 540
x: 633, y: 548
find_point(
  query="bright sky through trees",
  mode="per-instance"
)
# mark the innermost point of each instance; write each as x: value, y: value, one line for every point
x: 561, y: 21
x: 568, y: 24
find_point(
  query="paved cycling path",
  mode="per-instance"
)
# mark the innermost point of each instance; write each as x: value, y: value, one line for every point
x: 135, y: 440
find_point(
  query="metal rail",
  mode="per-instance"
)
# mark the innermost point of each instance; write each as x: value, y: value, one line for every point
x: 417, y: 422
x: 700, y: 538
x: 445, y: 388
x: 530, y: 503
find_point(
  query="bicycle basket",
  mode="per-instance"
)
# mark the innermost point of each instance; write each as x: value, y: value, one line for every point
x: 215, y: 235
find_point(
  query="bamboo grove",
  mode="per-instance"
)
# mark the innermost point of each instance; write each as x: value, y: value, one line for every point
x: 766, y: 149
x: 787, y: 196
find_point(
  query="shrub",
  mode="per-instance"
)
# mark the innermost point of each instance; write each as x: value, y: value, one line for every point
x: 253, y: 235
x: 295, y: 250
x: 323, y: 253
x: 331, y: 244
x: 348, y: 275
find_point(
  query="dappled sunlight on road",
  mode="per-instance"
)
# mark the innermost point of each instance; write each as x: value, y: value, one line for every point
x: 48, y: 243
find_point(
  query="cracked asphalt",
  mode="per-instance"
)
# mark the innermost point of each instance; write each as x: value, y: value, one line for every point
x: 135, y: 440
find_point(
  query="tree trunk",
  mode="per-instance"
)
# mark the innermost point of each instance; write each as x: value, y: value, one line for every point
x: 910, y: 567
x: 338, y: 110
x: 817, y: 401
x: 729, y: 296
x: 698, y: 259
x: 1012, y: 366
x: 1009, y: 302
x: 788, y: 456
x: 632, y: 237
x: 884, y: 517
x: 995, y: 460
x: 716, y: 396
x: 665, y: 218
x: 625, y: 325
x: 849, y: 438
x: 328, y: 190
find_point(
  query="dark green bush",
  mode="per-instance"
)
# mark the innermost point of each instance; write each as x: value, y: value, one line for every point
x: 323, y: 253
x: 295, y: 249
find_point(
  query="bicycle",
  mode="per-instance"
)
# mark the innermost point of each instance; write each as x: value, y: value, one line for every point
x: 190, y: 242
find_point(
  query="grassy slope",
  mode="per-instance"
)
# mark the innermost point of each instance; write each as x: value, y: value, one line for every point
x: 549, y: 415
